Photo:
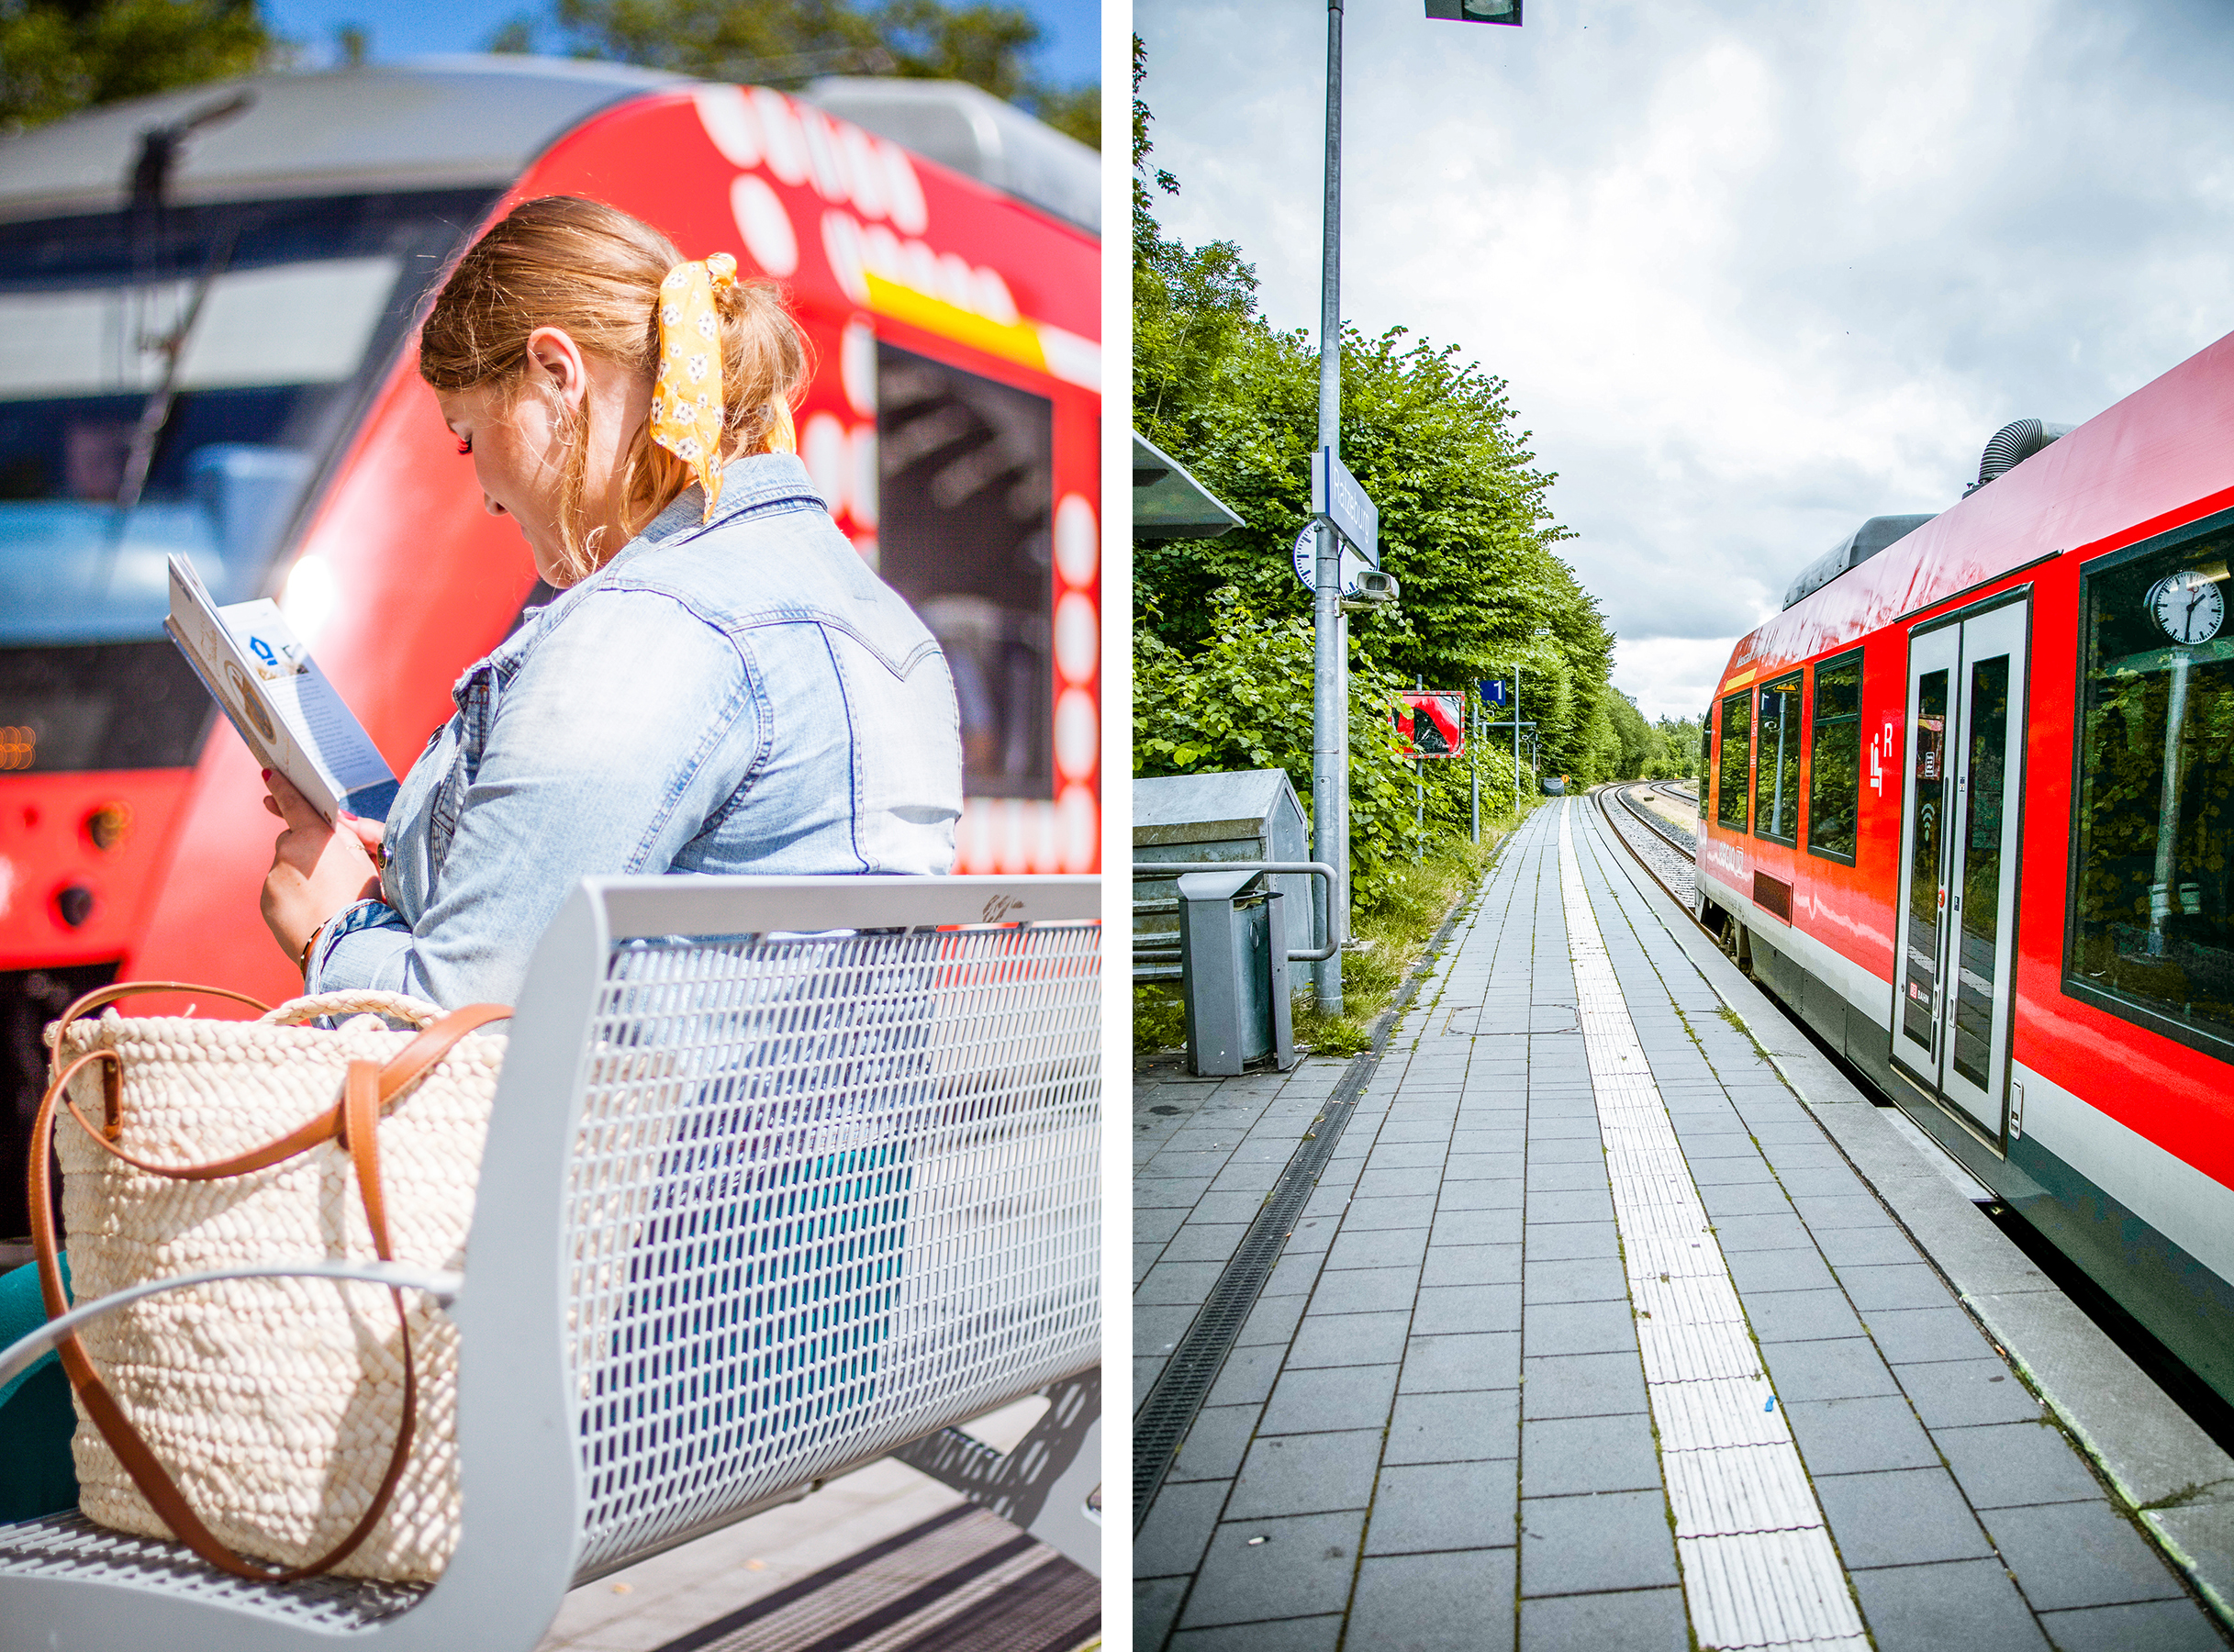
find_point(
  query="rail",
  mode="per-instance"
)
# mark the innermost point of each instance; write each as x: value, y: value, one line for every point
x: 1667, y: 835
x: 1151, y: 871
x: 1686, y: 842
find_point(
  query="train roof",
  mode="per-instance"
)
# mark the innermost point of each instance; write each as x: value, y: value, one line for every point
x: 476, y: 121
x: 436, y: 122
x: 961, y: 126
x: 2156, y: 458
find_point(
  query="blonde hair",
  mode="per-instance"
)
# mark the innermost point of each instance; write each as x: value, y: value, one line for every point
x: 594, y: 271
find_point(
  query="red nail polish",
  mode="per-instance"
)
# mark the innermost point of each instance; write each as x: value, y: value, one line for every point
x: 266, y: 774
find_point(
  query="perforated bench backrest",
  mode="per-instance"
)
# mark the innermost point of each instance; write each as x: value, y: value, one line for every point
x: 759, y: 1203
x: 828, y: 1193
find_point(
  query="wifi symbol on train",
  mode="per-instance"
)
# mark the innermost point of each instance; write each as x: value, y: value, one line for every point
x: 1925, y: 816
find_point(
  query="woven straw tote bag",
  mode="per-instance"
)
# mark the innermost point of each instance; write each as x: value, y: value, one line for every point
x: 306, y: 1424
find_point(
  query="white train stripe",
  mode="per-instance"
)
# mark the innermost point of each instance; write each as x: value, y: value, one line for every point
x: 2185, y: 1204
x: 1758, y: 1567
x: 1851, y: 981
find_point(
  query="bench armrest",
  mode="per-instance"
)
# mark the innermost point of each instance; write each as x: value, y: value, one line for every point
x: 20, y: 1356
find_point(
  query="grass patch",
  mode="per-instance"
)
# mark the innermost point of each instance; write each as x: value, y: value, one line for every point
x: 1408, y: 906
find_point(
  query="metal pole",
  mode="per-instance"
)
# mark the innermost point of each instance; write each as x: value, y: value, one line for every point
x: 1419, y: 774
x: 1516, y: 739
x: 1329, y: 779
x: 1342, y: 744
x: 2161, y: 893
x: 1473, y: 757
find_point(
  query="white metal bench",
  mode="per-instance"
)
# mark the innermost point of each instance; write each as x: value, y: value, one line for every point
x: 784, y: 1176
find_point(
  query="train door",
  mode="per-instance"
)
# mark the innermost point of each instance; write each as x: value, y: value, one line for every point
x: 1957, y: 920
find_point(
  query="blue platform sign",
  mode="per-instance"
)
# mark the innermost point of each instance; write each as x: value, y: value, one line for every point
x: 1492, y: 691
x: 1336, y: 495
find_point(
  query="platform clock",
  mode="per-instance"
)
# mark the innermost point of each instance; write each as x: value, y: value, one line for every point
x: 2188, y: 605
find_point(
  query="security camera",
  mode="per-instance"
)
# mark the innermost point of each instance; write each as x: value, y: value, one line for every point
x: 1374, y: 587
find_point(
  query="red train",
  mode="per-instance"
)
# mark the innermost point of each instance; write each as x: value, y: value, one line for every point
x: 207, y: 305
x: 1971, y: 811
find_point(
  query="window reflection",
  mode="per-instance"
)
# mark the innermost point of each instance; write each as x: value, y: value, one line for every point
x: 1920, y: 975
x: 1732, y: 777
x: 966, y: 484
x: 1776, y: 782
x: 2156, y: 779
x: 1834, y: 778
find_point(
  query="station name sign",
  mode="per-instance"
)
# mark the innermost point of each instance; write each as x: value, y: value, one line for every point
x: 1336, y: 495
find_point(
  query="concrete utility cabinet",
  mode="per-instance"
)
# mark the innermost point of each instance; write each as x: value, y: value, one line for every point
x: 1233, y: 936
x: 1240, y: 815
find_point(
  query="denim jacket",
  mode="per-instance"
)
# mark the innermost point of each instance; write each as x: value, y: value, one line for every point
x: 738, y: 697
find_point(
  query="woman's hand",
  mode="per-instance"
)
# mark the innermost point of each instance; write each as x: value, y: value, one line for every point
x: 316, y: 870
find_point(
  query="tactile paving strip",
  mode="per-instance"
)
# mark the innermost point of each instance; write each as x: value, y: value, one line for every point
x: 1758, y: 1567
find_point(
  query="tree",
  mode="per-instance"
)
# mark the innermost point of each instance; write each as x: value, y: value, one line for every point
x: 985, y: 43
x: 1465, y: 526
x: 1641, y: 747
x: 59, y: 55
x: 1680, y: 736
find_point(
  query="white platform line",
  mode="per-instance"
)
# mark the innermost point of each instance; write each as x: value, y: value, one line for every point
x: 1758, y: 1567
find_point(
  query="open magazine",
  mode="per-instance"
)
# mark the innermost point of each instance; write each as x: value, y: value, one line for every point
x: 265, y: 680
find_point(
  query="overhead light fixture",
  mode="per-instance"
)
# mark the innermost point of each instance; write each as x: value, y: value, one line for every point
x: 1506, y: 12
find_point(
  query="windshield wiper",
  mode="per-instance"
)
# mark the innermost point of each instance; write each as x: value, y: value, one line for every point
x: 156, y: 413
x: 151, y: 183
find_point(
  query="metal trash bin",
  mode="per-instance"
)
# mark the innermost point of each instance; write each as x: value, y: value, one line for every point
x: 1244, y: 815
x: 1234, y: 945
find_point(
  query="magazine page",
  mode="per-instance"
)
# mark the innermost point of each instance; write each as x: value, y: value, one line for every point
x: 276, y: 696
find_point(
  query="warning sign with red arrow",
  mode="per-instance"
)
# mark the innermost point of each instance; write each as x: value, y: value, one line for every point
x: 1432, y: 724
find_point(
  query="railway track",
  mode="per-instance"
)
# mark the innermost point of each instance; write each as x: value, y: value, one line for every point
x: 1663, y: 849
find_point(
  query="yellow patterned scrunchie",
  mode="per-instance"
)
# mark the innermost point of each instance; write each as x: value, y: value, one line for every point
x: 687, y: 391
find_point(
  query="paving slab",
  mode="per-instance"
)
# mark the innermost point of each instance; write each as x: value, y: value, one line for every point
x: 1436, y: 1427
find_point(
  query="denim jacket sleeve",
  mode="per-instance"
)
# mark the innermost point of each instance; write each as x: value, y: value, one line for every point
x: 624, y: 730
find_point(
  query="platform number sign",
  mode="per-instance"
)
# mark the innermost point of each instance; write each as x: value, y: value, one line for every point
x: 1492, y: 691
x: 1432, y: 724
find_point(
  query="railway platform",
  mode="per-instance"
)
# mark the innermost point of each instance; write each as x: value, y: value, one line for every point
x: 1614, y: 1318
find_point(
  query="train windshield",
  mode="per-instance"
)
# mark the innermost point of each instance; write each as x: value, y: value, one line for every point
x: 2153, y: 924
x: 171, y: 380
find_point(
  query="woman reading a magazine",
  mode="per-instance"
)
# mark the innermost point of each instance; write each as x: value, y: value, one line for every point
x: 722, y: 685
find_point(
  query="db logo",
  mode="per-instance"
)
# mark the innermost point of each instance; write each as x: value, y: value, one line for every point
x: 999, y: 907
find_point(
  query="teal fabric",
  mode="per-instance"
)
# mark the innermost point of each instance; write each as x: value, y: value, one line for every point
x: 22, y: 1312
x: 38, y: 1475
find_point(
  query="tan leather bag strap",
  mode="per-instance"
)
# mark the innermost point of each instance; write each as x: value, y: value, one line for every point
x: 366, y: 1090
x: 101, y: 996
x: 408, y: 1066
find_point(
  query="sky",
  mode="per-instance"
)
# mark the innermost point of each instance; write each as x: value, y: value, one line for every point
x: 401, y: 28
x: 1755, y: 270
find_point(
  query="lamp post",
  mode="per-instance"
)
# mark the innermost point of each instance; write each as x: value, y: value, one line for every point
x: 1506, y: 12
x: 1329, y: 773
x: 1330, y: 780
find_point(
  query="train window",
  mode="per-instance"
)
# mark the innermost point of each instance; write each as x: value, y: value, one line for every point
x: 1707, y: 757
x: 966, y: 471
x: 170, y: 381
x: 1833, y: 776
x: 1926, y: 893
x: 1731, y: 779
x: 1776, y: 778
x: 2152, y: 932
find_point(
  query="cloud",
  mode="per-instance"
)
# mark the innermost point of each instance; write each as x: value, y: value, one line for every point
x: 1753, y: 273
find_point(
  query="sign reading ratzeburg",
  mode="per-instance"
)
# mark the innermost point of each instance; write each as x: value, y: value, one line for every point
x: 1336, y: 495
